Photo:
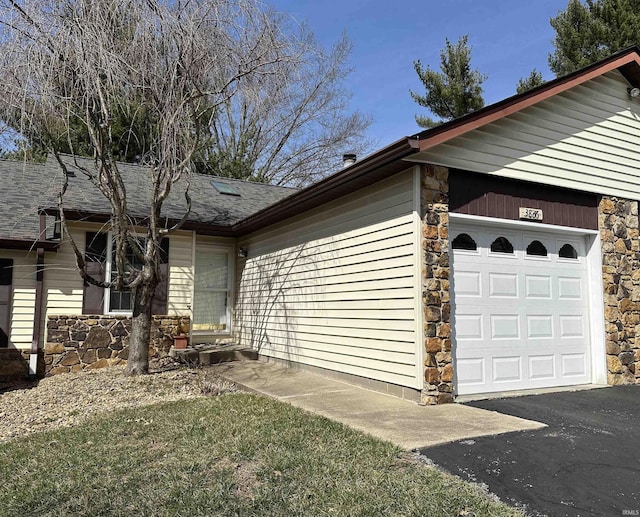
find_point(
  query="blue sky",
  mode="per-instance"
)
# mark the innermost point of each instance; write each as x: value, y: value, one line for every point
x: 509, y: 38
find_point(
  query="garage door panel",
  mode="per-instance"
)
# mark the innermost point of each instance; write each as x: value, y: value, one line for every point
x: 507, y: 370
x: 537, y: 287
x: 542, y: 367
x: 504, y: 327
x: 572, y: 326
x: 469, y: 327
x: 570, y: 288
x: 520, y: 321
x: 539, y: 326
x: 503, y: 285
x: 468, y: 283
x: 574, y: 365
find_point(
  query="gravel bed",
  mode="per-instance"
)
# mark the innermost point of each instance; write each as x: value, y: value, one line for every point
x: 66, y: 399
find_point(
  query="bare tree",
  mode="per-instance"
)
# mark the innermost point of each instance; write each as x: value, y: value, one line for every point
x: 87, y: 61
x: 289, y: 128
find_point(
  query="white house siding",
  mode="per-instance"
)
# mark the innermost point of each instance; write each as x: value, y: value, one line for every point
x: 335, y: 287
x: 23, y: 299
x: 63, y: 286
x: 587, y: 138
x: 179, y: 297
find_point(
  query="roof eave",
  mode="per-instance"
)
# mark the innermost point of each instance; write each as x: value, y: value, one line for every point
x: 627, y: 61
x: 29, y: 244
x: 96, y: 217
x: 383, y: 163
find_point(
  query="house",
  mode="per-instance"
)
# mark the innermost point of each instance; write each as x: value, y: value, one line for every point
x: 497, y: 252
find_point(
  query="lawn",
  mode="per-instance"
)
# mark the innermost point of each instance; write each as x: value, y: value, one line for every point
x: 235, y: 454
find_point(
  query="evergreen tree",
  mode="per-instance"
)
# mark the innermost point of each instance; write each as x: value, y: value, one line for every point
x: 525, y: 84
x: 453, y: 92
x: 588, y: 32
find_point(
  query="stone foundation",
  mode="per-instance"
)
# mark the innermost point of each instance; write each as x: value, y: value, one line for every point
x: 618, y: 223
x: 436, y: 301
x: 75, y: 343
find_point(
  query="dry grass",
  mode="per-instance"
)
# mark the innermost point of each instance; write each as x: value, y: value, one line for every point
x: 235, y: 454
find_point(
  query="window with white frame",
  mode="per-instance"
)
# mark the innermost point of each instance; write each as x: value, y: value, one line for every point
x: 212, y: 284
x: 119, y: 301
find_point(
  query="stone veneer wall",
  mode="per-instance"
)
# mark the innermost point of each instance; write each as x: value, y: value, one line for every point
x: 75, y: 343
x: 436, y: 301
x: 618, y: 223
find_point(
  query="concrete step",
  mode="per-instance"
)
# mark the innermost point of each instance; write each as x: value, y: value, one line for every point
x: 219, y: 354
x: 225, y: 356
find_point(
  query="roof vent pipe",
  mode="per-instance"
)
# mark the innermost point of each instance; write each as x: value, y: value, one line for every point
x: 348, y: 160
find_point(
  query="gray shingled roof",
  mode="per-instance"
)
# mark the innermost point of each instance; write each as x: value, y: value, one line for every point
x: 27, y: 187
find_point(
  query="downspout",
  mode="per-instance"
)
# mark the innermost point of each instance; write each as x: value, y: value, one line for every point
x: 36, y: 341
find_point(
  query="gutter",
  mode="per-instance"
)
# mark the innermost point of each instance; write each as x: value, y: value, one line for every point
x: 29, y: 244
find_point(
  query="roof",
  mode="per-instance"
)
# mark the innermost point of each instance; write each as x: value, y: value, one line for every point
x: 627, y: 62
x: 401, y: 154
x: 25, y: 187
x: 29, y: 187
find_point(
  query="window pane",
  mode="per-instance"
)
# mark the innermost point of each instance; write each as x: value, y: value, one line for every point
x: 464, y: 242
x: 502, y: 245
x: 120, y: 300
x: 536, y: 248
x: 210, y: 311
x: 211, y: 270
x: 568, y: 251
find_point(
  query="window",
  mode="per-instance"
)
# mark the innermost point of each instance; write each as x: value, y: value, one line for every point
x: 568, y: 251
x: 99, y: 260
x: 536, y: 249
x: 120, y: 301
x: 211, y: 289
x: 464, y: 242
x: 502, y: 245
x: 224, y: 188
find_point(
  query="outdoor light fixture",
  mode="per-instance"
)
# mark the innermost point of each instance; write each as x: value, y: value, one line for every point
x: 633, y: 92
x: 242, y: 252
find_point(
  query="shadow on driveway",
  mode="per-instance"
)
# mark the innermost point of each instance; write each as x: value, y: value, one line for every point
x: 587, y: 462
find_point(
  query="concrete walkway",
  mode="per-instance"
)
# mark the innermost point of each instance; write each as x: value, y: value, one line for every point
x: 403, y: 423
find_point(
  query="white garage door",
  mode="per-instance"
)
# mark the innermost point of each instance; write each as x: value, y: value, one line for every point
x: 520, y: 309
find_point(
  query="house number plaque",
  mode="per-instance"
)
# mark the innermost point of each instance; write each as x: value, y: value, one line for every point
x: 531, y: 214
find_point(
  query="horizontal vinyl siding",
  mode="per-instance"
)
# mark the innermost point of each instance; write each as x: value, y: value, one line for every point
x: 335, y: 287
x: 587, y: 138
x: 63, y: 286
x: 180, y: 295
x: 23, y: 297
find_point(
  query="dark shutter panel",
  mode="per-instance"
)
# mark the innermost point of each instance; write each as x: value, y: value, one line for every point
x: 6, y: 290
x: 95, y: 258
x: 159, y: 303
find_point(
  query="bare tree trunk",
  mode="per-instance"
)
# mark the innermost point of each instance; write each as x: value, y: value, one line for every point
x: 140, y: 337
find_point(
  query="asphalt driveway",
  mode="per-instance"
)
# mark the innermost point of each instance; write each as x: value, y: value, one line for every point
x: 586, y: 462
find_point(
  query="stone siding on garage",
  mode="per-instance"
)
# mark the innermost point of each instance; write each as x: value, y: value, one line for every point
x: 618, y: 222
x: 77, y: 343
x: 436, y: 300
